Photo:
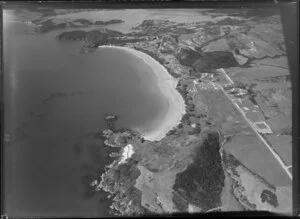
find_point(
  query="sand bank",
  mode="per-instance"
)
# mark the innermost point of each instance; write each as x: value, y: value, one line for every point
x: 167, y: 86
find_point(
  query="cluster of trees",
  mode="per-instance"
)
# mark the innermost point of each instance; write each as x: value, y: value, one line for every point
x: 252, y: 95
x: 175, y: 130
x: 209, y: 61
x: 269, y: 197
x: 186, y: 119
x: 190, y: 107
x: 180, y: 126
x: 183, y: 92
x: 171, y: 132
x: 203, y: 180
x: 230, y: 160
x: 187, y: 56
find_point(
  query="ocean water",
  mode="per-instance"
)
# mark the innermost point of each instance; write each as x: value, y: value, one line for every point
x: 55, y: 99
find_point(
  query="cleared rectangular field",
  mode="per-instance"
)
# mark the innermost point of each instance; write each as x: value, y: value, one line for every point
x: 283, y: 146
x: 261, y: 125
x: 247, y: 75
x: 245, y: 145
x: 247, y: 103
x: 251, y: 152
x: 280, y: 123
x: 255, y: 116
x: 221, y: 111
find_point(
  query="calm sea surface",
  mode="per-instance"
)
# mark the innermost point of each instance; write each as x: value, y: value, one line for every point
x: 55, y: 99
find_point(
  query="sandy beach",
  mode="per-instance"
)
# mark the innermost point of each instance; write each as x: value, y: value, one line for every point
x: 167, y: 86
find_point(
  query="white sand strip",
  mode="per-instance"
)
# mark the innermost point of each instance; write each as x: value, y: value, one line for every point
x: 167, y: 85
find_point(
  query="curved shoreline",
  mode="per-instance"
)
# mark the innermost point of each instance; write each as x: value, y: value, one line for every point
x: 167, y: 85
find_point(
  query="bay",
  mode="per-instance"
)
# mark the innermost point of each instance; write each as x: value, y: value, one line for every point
x: 55, y: 98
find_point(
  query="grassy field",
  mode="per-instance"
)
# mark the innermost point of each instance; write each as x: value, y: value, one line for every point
x: 247, y: 75
x: 221, y: 111
x: 251, y: 152
x: 278, y: 200
x: 280, y: 62
x: 245, y: 145
x: 283, y: 146
x: 253, y: 188
x: 154, y: 185
x: 255, y: 116
x: 280, y: 124
x: 253, y: 191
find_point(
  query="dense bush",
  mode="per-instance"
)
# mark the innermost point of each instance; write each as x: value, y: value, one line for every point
x: 209, y: 61
x: 187, y: 56
x: 203, y: 180
x: 269, y: 197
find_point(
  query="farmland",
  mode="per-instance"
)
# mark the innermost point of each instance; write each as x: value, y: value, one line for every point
x: 253, y: 154
x: 283, y: 145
